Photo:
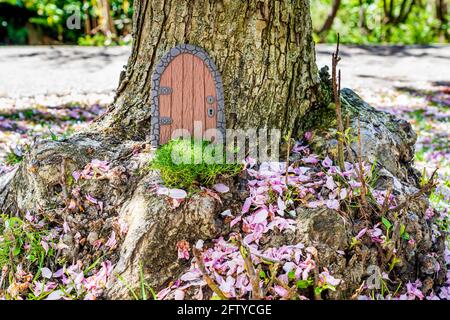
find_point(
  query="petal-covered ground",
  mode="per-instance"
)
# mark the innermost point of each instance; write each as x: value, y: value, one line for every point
x: 271, y: 205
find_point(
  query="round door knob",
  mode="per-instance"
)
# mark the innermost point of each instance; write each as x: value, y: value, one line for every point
x: 210, y: 99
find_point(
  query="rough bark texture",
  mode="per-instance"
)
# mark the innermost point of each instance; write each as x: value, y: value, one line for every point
x: 263, y: 49
x: 154, y: 230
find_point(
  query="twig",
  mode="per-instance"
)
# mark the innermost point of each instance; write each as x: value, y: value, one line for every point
x: 63, y: 180
x: 409, y: 199
x: 361, y: 172
x: 336, y: 79
x: 358, y: 291
x: 246, y: 255
x: 266, y: 258
x: 210, y: 282
x: 288, y: 151
x: 3, y: 276
x: 292, y: 291
x: 315, y: 255
x: 359, y: 169
x: 273, y: 274
x: 385, y: 206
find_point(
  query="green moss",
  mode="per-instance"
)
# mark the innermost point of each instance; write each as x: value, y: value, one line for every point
x: 187, y: 164
x: 322, y: 115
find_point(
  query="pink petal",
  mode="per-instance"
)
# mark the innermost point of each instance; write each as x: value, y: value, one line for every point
x: 177, y: 194
x: 58, y: 273
x: 246, y: 205
x: 330, y: 183
x: 190, y: 276
x: 45, y: 246
x: 163, y: 293
x: 327, y: 162
x: 179, y: 295
x: 234, y: 221
x: 91, y: 199
x: 111, y: 243
x: 55, y: 295
x: 308, y: 135
x: 46, y: 273
x: 282, y: 292
x: 162, y: 191
x: 343, y: 194
x: 281, y: 205
x: 312, y: 159
x: 361, y: 233
x: 314, y: 204
x: 333, y: 204
x: 260, y: 216
x: 220, y: 187
x: 76, y: 175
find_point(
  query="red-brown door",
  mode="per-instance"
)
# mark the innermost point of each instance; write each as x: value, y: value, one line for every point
x: 187, y: 94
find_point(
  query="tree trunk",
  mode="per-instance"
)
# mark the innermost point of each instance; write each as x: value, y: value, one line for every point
x: 263, y: 49
x: 442, y: 15
x: 106, y: 22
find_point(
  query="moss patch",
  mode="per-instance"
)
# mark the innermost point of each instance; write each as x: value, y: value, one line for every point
x: 187, y: 164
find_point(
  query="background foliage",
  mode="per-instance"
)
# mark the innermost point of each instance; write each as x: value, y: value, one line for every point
x: 45, y: 21
x: 367, y: 22
x: 357, y: 21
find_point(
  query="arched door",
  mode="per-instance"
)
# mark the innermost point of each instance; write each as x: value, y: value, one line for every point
x: 189, y: 95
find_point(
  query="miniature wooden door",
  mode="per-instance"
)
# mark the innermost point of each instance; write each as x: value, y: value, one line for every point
x: 189, y: 93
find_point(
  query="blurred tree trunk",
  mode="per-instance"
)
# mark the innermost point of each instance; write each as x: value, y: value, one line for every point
x: 442, y: 15
x: 105, y: 20
x: 396, y: 15
x: 87, y: 19
x: 330, y: 19
x: 362, y: 23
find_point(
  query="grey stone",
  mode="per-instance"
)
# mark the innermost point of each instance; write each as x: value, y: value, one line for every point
x: 92, y: 237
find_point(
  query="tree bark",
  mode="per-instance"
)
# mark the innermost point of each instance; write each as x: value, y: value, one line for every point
x: 263, y: 49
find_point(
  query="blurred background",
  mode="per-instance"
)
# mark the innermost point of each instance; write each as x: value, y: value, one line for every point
x: 381, y: 21
x: 108, y: 22
x: 88, y: 22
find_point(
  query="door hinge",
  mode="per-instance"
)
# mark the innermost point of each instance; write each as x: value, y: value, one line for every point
x: 165, y: 90
x: 165, y: 121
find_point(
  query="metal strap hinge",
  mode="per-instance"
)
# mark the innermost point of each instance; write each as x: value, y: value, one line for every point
x: 165, y: 121
x: 165, y: 90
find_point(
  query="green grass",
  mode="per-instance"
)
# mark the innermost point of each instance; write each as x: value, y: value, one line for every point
x: 20, y: 243
x: 12, y: 158
x: 187, y: 164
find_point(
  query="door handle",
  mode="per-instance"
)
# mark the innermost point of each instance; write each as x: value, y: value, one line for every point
x: 211, y: 112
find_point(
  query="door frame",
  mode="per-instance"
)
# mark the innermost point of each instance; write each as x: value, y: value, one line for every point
x: 156, y: 78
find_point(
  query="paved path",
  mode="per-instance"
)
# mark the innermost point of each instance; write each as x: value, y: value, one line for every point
x: 37, y: 71
x: 390, y: 66
x: 31, y: 71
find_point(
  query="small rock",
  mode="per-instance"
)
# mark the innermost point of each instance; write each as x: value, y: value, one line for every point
x: 92, y: 237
